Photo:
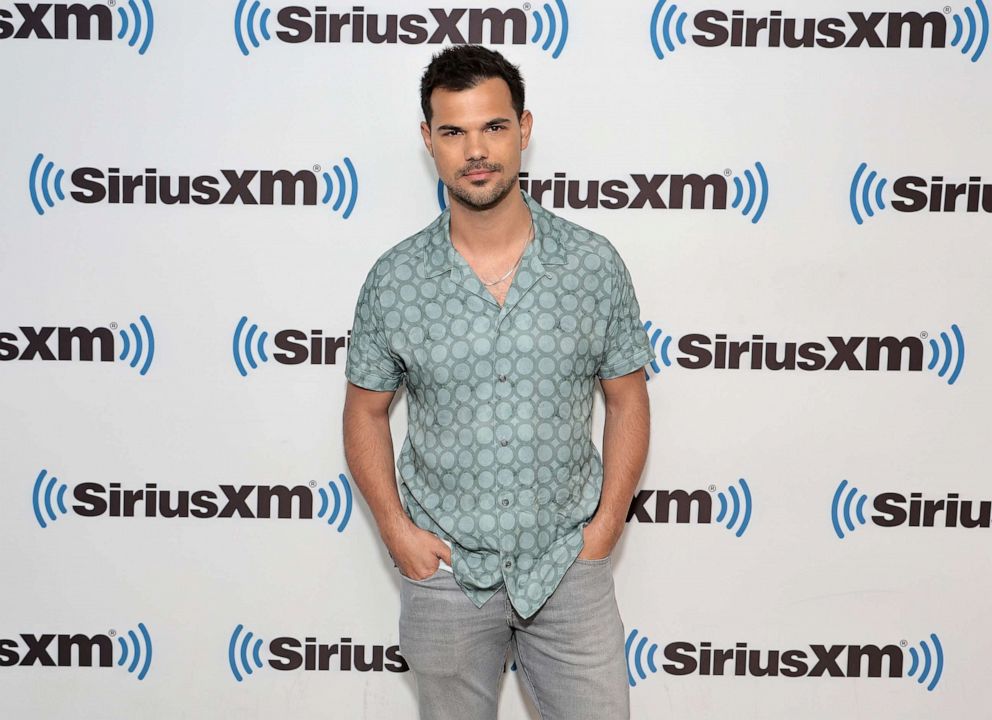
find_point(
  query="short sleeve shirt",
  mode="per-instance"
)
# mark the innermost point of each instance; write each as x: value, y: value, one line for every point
x: 499, y: 459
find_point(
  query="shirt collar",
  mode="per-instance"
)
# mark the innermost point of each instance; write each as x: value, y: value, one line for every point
x: 548, y: 247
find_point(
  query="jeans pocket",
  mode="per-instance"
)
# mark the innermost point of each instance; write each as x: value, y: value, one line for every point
x: 422, y: 580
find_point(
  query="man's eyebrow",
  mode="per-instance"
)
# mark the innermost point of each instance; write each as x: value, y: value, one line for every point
x: 489, y: 123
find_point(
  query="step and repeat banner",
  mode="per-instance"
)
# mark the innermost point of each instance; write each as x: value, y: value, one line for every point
x: 192, y: 194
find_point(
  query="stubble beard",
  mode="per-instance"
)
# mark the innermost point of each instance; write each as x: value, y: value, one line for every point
x: 489, y: 198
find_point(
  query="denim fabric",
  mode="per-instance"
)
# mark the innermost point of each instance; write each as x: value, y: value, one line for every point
x: 569, y: 654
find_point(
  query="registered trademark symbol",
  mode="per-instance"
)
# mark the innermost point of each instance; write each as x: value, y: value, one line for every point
x: 947, y: 9
x: 112, y: 632
x: 924, y: 334
x: 111, y: 3
x: 113, y: 326
x: 526, y: 6
x: 316, y: 168
x: 313, y: 483
x: 903, y: 643
x: 727, y: 172
x: 712, y: 488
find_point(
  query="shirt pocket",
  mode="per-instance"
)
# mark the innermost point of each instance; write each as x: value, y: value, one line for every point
x: 579, y: 333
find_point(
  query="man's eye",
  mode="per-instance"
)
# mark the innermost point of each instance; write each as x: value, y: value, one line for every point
x: 497, y: 127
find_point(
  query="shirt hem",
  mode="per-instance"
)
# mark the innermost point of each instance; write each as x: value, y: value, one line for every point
x: 628, y: 366
x: 371, y: 381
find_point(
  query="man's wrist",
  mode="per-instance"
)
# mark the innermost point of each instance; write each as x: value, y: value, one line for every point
x: 394, y: 526
x: 606, y: 527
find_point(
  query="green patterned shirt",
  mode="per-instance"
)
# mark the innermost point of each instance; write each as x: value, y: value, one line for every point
x: 499, y: 459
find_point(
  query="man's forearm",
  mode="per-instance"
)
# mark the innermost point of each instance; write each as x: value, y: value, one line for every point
x: 368, y: 449
x: 625, y: 447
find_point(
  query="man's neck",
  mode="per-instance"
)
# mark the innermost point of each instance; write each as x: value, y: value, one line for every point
x: 496, y: 231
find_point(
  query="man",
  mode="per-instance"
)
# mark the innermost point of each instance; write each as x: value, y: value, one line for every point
x: 499, y: 316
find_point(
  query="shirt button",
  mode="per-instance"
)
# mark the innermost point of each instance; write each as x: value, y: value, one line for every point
x: 505, y: 502
x: 504, y: 442
x: 502, y: 378
x: 508, y: 564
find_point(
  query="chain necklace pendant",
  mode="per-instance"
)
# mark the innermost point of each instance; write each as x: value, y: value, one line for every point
x: 516, y: 264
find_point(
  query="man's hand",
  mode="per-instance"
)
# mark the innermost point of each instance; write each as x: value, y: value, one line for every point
x: 416, y: 552
x: 599, y: 541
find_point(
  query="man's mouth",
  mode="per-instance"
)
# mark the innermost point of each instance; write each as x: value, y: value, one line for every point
x: 479, y: 174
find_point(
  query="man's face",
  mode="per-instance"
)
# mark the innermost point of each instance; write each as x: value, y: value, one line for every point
x: 476, y: 141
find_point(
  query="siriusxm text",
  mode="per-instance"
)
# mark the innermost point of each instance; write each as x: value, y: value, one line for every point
x: 855, y: 29
x: 638, y: 190
x: 51, y: 650
x: 290, y: 653
x: 57, y: 21
x: 837, y: 353
x: 226, y: 501
x: 435, y: 26
x: 895, y: 509
x: 686, y: 658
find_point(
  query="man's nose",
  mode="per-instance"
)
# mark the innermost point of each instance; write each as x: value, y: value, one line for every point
x: 475, y: 147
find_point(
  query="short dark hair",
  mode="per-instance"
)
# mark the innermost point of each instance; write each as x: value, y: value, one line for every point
x: 461, y: 67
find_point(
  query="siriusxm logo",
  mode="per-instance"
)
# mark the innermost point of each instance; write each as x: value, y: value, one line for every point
x: 247, y: 187
x: 736, y: 28
x: 677, y: 506
x: 79, y: 21
x: 547, y: 27
x: 893, y: 509
x: 698, y: 351
x: 747, y: 192
x: 83, y: 344
x: 93, y: 499
x: 244, y: 655
x: 914, y: 193
x: 926, y: 665
x: 296, y: 347
x: 134, y: 654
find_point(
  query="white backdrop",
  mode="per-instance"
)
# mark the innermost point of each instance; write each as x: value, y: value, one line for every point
x: 164, y: 597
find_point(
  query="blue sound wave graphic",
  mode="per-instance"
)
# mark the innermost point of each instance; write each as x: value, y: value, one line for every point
x: 672, y: 15
x: 978, y: 31
x: 48, y: 498
x: 659, y: 344
x: 251, y: 24
x: 139, y: 650
x: 753, y: 198
x: 556, y: 26
x: 247, y: 345
x: 338, y: 503
x: 347, y: 188
x: 847, y: 506
x: 441, y: 200
x: 143, y: 344
x: 952, y: 353
x: 243, y: 655
x: 863, y: 195
x: 932, y: 661
x: 44, y: 184
x: 140, y: 21
x: 636, y: 656
x: 739, y: 507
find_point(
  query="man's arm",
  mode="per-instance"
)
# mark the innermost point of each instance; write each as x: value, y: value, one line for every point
x: 625, y: 448
x: 368, y: 449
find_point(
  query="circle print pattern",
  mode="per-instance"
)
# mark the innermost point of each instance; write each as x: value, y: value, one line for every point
x: 499, y: 458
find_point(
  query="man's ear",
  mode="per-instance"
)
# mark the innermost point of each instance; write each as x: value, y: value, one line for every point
x: 526, y: 124
x: 425, y: 131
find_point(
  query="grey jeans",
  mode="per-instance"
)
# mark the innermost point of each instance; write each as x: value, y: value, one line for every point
x: 569, y: 654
